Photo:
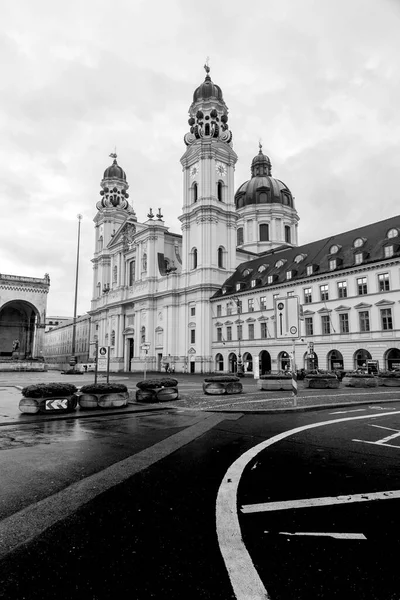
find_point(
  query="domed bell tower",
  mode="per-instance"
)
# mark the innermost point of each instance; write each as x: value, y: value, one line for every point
x: 113, y: 210
x: 209, y: 216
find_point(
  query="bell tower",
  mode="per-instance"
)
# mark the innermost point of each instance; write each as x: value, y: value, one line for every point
x: 209, y: 215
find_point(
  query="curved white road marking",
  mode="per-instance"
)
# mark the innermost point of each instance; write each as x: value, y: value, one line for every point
x: 244, y: 578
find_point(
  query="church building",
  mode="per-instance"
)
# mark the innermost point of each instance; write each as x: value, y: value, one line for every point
x: 205, y: 301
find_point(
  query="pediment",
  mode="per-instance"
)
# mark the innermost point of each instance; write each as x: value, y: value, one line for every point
x: 343, y: 307
x: 363, y: 305
x: 384, y: 303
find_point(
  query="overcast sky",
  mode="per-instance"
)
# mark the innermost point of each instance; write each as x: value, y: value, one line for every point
x: 317, y: 80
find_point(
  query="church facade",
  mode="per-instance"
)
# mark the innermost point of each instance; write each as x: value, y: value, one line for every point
x: 205, y: 301
x: 152, y: 288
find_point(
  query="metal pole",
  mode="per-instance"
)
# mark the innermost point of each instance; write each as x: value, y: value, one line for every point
x: 108, y: 364
x: 294, y: 374
x: 97, y: 355
x: 76, y: 289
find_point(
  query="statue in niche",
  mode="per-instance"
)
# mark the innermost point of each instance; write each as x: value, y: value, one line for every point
x: 15, y: 346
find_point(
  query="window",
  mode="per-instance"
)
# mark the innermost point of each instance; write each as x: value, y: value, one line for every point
x: 220, y: 258
x: 325, y: 324
x: 229, y: 333
x: 290, y: 293
x: 307, y: 296
x: 132, y: 269
x: 239, y: 332
x: 362, y: 286
x: 219, y: 310
x: 363, y: 316
x: 251, y: 331
x: 324, y: 292
x: 279, y: 263
x: 392, y: 233
x: 262, y: 268
x: 192, y: 336
x: 383, y: 282
x: 310, y: 269
x: 344, y: 323
x: 264, y: 232
x: 288, y: 274
x: 229, y: 308
x: 219, y: 191
x: 240, y: 236
x: 219, y: 334
x: 342, y: 289
x: 115, y: 274
x: 332, y: 264
x: 263, y: 331
x: 113, y: 338
x: 270, y: 279
x: 192, y: 311
x: 98, y: 286
x: 250, y: 304
x: 195, y: 192
x: 239, y: 306
x: 358, y: 242
x: 358, y: 258
x: 287, y: 234
x: 253, y: 283
x: 386, y: 319
x: 334, y: 249
x: 144, y: 262
x: 194, y: 262
x: 388, y: 251
x: 263, y: 302
x: 309, y: 325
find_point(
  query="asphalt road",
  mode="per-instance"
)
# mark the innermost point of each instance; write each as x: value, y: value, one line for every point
x: 140, y: 506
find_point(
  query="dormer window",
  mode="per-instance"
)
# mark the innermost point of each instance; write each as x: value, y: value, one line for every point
x: 334, y: 263
x: 392, y: 233
x: 262, y: 268
x: 299, y: 258
x: 388, y: 251
x: 272, y: 278
x: 358, y: 242
x: 334, y: 249
x: 279, y: 263
x: 255, y: 282
x: 246, y: 272
x: 358, y: 258
x: 289, y: 275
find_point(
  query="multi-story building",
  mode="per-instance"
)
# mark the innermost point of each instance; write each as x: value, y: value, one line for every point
x: 56, y: 321
x: 348, y: 287
x: 58, y: 343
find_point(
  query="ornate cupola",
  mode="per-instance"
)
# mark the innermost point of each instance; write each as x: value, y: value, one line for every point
x: 267, y: 217
x: 114, y: 189
x: 208, y: 113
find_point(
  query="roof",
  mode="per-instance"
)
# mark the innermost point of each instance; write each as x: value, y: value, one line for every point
x: 372, y: 241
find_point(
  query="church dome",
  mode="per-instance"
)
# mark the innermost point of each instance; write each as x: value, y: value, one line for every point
x: 207, y: 90
x: 262, y: 188
x: 114, y: 171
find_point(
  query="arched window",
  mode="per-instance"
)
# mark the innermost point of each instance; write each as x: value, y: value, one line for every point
x: 220, y: 258
x: 240, y: 236
x: 207, y: 129
x: 194, y: 262
x: 195, y: 192
x: 115, y: 274
x: 219, y: 362
x: 101, y: 242
x: 264, y: 232
x: 219, y: 190
x: 144, y: 262
x: 98, y: 289
x: 287, y: 234
x: 132, y: 266
x: 143, y: 335
x: 113, y: 338
x: 263, y: 198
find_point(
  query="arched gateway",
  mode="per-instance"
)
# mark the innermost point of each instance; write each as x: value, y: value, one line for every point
x: 22, y: 317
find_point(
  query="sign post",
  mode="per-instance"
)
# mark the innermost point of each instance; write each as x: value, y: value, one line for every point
x: 145, y: 349
x: 287, y: 319
x: 103, y: 360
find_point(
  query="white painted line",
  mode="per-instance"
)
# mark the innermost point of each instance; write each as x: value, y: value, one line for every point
x: 244, y: 578
x: 312, y: 502
x: 337, y: 536
x: 340, y: 412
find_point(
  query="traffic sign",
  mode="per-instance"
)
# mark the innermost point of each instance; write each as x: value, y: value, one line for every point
x: 56, y: 404
x: 102, y: 358
x: 287, y: 317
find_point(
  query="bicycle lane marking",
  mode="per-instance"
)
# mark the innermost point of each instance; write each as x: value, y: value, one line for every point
x: 244, y: 578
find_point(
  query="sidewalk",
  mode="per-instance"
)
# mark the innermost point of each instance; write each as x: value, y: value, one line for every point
x: 191, y: 397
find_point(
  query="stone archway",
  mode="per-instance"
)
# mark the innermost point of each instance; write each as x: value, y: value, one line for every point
x: 392, y: 359
x: 19, y: 322
x: 265, y: 362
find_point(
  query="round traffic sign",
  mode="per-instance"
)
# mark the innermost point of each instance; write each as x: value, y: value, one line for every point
x: 281, y: 306
x: 293, y: 330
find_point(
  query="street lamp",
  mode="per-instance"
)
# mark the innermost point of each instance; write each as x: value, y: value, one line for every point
x: 240, y: 371
x: 73, y: 357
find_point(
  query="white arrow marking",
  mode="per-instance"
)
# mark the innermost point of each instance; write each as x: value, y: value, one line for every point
x: 338, y: 536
